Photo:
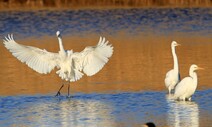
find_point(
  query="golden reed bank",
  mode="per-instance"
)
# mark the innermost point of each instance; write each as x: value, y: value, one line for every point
x: 102, y: 3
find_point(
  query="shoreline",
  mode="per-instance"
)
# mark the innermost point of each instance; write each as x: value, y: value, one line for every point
x: 101, y: 4
x: 93, y: 8
x: 52, y: 9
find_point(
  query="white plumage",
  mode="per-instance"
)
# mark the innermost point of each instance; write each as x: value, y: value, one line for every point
x: 39, y: 60
x: 173, y: 76
x: 186, y: 88
x: 71, y: 65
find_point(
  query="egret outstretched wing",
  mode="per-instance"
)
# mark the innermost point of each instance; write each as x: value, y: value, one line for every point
x: 93, y: 58
x: 39, y: 60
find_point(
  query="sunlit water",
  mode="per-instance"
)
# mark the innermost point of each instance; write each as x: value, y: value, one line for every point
x: 121, y: 109
x: 130, y: 90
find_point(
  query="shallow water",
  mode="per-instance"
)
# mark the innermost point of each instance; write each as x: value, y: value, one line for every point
x: 129, y: 90
x: 120, y: 109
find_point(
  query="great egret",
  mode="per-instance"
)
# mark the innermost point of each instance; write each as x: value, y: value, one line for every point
x: 173, y: 76
x: 186, y: 88
x: 70, y: 64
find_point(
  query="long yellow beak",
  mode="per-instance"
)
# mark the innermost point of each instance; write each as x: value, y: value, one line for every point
x: 200, y: 68
x: 178, y: 44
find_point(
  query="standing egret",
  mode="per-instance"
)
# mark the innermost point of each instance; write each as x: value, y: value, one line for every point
x: 186, y: 88
x: 70, y: 64
x: 173, y: 76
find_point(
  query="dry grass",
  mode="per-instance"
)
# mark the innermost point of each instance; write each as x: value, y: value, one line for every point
x: 102, y: 3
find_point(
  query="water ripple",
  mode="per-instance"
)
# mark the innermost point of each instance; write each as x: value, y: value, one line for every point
x: 72, y: 22
x: 127, y: 109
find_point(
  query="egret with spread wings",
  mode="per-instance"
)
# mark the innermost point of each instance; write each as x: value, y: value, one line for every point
x: 71, y: 65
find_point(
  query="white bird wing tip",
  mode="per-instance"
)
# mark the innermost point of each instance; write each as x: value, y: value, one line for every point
x: 8, y: 38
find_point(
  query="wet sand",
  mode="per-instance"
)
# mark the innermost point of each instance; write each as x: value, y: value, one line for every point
x: 139, y: 63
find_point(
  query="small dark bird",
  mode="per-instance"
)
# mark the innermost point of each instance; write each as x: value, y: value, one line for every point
x: 149, y: 124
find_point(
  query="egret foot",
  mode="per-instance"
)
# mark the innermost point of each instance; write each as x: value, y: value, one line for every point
x: 68, y: 96
x: 188, y: 99
x: 169, y: 93
x: 58, y: 93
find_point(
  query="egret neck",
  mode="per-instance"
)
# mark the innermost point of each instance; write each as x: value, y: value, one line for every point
x: 193, y: 75
x: 62, y: 51
x: 176, y: 68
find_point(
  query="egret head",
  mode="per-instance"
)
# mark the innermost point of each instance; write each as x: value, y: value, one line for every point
x: 58, y: 34
x: 174, y: 43
x: 194, y: 67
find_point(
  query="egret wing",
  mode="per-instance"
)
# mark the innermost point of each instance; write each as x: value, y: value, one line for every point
x: 168, y: 77
x: 93, y: 58
x: 169, y: 73
x: 39, y: 60
x: 182, y: 87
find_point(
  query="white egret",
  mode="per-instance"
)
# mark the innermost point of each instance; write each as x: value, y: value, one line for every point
x: 70, y: 64
x: 186, y: 88
x: 173, y: 76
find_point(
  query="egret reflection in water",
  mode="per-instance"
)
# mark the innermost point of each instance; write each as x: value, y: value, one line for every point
x: 47, y: 111
x: 182, y: 113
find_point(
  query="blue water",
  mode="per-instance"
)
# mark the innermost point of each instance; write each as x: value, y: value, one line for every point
x: 116, y: 109
x: 112, y: 21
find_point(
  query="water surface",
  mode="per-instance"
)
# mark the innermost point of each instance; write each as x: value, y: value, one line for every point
x: 108, y: 21
x: 120, y: 109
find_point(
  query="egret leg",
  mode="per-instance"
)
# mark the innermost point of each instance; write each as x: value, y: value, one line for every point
x: 173, y: 91
x: 68, y: 89
x: 188, y: 99
x: 58, y: 93
x: 183, y: 99
x: 170, y: 90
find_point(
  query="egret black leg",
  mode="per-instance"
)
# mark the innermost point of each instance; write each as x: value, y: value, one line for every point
x: 68, y: 90
x: 58, y: 93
